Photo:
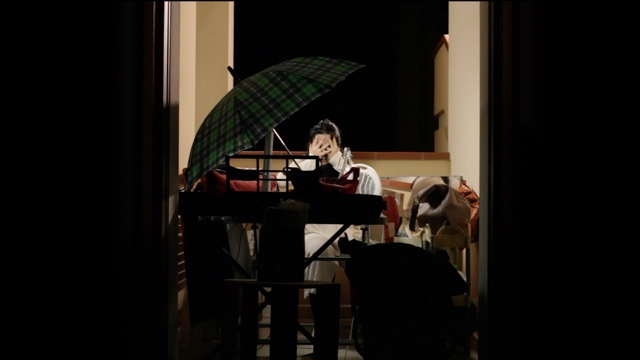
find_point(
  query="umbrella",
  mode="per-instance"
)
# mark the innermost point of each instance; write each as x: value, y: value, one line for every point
x: 257, y: 104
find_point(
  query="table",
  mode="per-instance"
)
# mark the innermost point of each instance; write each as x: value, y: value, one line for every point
x: 248, y: 207
x: 239, y: 339
x: 241, y: 295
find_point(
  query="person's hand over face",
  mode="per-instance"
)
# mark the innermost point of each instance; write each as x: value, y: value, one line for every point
x: 333, y: 148
x: 321, y: 146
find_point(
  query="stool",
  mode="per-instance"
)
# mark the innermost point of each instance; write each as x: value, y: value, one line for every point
x: 239, y: 339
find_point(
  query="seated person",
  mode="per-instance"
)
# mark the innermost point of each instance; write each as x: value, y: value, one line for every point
x: 324, y: 142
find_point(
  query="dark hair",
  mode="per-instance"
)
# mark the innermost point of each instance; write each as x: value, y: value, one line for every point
x: 325, y: 126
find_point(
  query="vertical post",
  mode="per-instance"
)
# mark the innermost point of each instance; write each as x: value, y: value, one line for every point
x: 284, y: 320
x: 326, y: 323
x: 268, y: 150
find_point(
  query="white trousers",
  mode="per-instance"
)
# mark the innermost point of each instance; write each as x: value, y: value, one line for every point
x: 319, y: 270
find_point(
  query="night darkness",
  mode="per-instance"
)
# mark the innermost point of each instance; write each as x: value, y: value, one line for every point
x: 385, y: 106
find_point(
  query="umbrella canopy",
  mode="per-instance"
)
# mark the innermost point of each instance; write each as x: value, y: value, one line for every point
x: 257, y: 104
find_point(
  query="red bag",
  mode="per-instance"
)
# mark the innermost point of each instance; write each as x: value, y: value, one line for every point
x: 342, y: 184
x: 474, y: 203
x: 215, y: 182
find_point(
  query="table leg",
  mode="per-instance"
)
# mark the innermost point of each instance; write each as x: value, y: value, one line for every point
x: 326, y: 322
x: 230, y: 324
x: 240, y: 320
x: 284, y: 320
x: 249, y: 322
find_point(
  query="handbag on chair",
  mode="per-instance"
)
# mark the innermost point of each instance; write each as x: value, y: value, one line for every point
x: 439, y: 204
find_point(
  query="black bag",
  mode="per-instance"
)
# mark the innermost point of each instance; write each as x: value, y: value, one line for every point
x: 281, y: 253
x: 403, y: 300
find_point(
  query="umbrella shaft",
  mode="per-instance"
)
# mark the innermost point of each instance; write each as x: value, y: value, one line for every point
x: 285, y: 147
x: 268, y: 150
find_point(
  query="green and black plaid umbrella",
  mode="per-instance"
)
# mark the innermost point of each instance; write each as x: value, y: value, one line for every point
x: 256, y: 105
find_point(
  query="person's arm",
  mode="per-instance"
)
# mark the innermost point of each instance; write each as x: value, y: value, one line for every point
x: 305, y: 165
x: 337, y: 161
x: 318, y: 147
x: 335, y: 157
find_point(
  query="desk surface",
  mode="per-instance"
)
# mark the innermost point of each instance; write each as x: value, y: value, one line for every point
x: 249, y: 207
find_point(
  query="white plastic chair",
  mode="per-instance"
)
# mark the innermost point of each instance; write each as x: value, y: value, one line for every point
x: 370, y: 182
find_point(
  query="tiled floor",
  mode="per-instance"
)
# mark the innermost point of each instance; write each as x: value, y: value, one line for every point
x: 345, y: 352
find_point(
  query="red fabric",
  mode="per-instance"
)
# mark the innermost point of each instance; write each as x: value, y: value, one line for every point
x: 341, y: 185
x: 393, y: 216
x: 474, y: 203
x: 215, y: 182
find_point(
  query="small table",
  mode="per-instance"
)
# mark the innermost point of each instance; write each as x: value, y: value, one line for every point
x: 239, y: 339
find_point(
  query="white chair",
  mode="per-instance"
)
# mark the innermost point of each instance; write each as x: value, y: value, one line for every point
x: 370, y: 182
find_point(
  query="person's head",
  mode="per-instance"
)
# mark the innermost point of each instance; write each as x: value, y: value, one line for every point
x: 325, y: 128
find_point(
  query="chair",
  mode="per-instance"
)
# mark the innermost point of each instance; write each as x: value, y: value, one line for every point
x: 456, y: 241
x: 370, y: 182
x: 449, y: 230
x: 393, y: 218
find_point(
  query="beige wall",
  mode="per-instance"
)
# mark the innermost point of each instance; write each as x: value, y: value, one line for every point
x: 187, y: 110
x: 441, y: 95
x: 467, y: 89
x: 384, y: 168
x: 206, y: 49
